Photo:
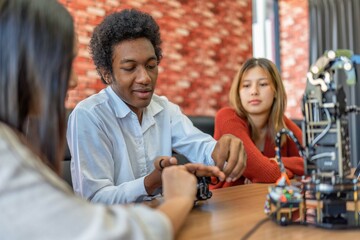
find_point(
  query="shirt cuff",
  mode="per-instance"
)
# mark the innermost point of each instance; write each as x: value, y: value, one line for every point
x: 209, y: 160
x: 136, y: 189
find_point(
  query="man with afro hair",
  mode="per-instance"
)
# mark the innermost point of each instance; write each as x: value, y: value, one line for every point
x: 122, y: 137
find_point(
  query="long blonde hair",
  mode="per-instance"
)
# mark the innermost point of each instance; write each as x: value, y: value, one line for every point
x: 276, y: 117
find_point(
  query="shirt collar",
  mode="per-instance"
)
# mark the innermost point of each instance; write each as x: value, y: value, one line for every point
x: 121, y: 110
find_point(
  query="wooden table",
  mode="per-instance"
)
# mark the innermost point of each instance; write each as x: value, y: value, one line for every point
x: 232, y: 212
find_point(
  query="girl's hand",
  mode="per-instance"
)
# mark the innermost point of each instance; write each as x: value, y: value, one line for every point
x: 178, y: 182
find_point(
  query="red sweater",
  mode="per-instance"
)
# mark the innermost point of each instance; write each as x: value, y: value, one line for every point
x: 259, y: 167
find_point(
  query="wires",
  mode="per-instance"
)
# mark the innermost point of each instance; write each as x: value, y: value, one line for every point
x: 278, y: 146
x: 255, y: 228
x: 325, y: 131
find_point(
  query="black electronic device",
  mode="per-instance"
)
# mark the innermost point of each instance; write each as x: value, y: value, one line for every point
x: 203, y: 192
x: 327, y: 195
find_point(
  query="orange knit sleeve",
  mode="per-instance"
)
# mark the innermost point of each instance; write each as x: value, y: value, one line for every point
x: 259, y: 168
x: 292, y: 159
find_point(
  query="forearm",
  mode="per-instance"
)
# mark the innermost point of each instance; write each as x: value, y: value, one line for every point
x: 295, y: 164
x: 197, y: 147
x: 177, y: 210
x: 126, y: 192
x: 261, y: 169
x: 263, y: 174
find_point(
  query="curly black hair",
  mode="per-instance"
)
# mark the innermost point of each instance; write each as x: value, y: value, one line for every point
x: 117, y: 27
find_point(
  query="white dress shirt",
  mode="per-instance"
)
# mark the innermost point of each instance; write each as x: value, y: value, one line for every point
x: 36, y: 204
x: 112, y: 153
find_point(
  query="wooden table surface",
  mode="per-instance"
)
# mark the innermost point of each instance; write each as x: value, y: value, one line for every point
x: 232, y: 212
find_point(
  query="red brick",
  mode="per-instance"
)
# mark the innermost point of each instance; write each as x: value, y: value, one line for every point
x: 204, y: 44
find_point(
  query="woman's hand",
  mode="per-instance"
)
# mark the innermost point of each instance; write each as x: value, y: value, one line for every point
x: 179, y: 191
x: 178, y: 182
x: 180, y: 187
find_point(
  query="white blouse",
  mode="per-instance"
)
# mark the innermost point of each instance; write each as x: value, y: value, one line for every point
x: 36, y: 204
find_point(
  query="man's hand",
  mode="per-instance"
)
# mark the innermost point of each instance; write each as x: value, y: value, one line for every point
x: 230, y: 156
x: 153, y: 180
x: 164, y: 161
x: 201, y: 170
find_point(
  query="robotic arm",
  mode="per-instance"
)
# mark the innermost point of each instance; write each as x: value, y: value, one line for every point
x: 326, y: 132
x: 326, y: 152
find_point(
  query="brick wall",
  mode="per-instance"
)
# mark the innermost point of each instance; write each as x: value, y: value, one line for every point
x: 294, y: 45
x: 204, y: 43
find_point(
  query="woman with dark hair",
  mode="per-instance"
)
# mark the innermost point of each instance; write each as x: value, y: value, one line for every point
x: 258, y: 102
x: 37, y: 50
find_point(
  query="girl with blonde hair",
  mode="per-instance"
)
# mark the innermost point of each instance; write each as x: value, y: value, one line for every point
x: 258, y: 102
